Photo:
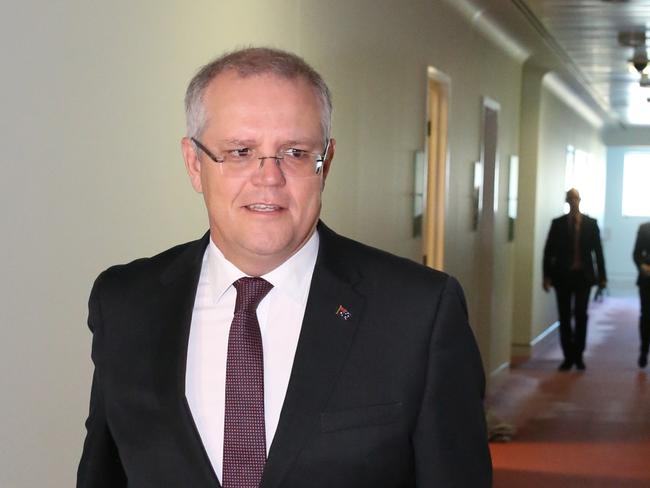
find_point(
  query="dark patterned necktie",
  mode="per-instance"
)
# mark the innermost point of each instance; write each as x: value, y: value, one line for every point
x: 244, y: 440
x: 577, y: 259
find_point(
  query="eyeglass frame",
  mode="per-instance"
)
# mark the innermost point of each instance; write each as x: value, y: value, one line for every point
x: 320, y: 158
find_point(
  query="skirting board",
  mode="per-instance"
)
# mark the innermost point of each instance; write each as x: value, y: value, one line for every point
x: 526, y: 350
x: 498, y: 375
x: 521, y: 353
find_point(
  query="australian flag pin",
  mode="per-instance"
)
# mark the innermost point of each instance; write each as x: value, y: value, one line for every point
x: 343, y: 312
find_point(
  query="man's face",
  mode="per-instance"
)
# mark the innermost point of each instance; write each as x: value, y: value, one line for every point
x: 259, y: 221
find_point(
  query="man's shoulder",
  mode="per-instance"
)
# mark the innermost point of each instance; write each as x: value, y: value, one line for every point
x: 643, y: 235
x: 146, y: 268
x: 586, y: 219
x: 377, y: 263
x: 560, y: 219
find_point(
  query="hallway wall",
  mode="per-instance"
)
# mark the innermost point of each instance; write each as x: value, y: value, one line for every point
x: 92, y: 117
x: 620, y: 231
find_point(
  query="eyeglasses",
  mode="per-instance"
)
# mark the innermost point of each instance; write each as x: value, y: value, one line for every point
x: 245, y: 161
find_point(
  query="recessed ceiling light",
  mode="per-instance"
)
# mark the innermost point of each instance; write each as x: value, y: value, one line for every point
x: 635, y: 38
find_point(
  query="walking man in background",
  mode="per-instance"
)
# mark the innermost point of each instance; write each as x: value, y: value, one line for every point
x: 573, y: 263
x: 641, y: 257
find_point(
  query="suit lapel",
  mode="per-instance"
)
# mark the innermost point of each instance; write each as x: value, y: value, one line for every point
x: 334, y: 310
x: 180, y: 281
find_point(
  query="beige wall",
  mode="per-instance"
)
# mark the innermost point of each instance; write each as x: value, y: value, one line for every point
x: 379, y: 123
x: 530, y: 122
x: 92, y: 173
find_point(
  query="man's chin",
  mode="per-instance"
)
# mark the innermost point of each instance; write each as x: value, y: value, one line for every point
x: 270, y: 249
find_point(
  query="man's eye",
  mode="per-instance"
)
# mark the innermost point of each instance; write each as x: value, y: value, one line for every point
x: 296, y: 153
x: 241, y: 153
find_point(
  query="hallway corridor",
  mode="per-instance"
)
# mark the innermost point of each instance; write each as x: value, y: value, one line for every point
x: 579, y: 429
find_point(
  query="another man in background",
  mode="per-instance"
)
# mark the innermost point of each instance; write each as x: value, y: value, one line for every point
x: 273, y: 352
x: 573, y: 263
x: 641, y: 257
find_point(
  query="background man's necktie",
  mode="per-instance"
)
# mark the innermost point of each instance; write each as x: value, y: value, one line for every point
x: 244, y: 443
x: 577, y: 259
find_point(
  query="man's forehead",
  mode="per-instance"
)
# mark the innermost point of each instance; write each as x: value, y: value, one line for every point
x: 265, y: 91
x: 234, y: 77
x: 231, y: 88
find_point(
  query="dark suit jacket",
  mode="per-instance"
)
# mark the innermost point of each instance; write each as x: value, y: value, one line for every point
x: 642, y: 253
x: 559, y: 249
x: 390, y: 397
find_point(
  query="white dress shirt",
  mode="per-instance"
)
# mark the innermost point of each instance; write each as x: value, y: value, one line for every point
x: 280, y: 316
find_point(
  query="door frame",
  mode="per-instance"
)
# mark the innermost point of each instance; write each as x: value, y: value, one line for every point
x: 437, y: 168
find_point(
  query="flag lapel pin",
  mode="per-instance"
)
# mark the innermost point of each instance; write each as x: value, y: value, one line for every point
x: 343, y: 312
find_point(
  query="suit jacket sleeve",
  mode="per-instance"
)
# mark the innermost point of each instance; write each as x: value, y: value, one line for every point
x: 550, y: 251
x: 100, y: 464
x: 450, y: 438
x: 598, y: 250
x: 642, y: 246
x: 638, y: 249
x: 641, y: 254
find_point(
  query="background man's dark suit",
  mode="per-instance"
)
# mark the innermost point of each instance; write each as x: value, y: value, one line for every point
x: 392, y: 393
x: 641, y: 256
x: 559, y: 257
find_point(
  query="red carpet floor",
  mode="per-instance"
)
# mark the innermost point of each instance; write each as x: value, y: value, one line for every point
x: 579, y: 429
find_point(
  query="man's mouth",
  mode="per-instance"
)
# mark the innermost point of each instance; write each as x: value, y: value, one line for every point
x: 263, y: 207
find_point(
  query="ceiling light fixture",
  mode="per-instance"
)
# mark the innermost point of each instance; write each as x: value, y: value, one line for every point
x: 640, y: 59
x: 634, y: 39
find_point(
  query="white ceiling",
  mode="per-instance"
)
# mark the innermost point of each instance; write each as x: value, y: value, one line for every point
x: 580, y: 40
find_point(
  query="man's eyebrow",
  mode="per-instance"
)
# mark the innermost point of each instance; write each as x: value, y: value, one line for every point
x: 239, y: 142
x: 254, y: 143
x: 299, y: 142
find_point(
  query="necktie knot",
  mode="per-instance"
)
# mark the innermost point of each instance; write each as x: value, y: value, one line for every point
x: 250, y: 292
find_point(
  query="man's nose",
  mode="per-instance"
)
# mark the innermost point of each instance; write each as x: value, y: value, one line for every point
x: 269, y: 171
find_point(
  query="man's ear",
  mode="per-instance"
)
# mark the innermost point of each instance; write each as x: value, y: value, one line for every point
x: 192, y: 163
x: 328, y: 159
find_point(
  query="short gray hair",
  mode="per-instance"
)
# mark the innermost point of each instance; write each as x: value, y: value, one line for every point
x: 248, y: 62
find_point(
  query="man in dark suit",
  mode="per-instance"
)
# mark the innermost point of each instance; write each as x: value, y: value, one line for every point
x: 573, y: 263
x: 273, y: 352
x: 641, y: 257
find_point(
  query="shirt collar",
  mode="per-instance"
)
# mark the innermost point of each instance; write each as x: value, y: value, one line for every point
x: 292, y: 277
